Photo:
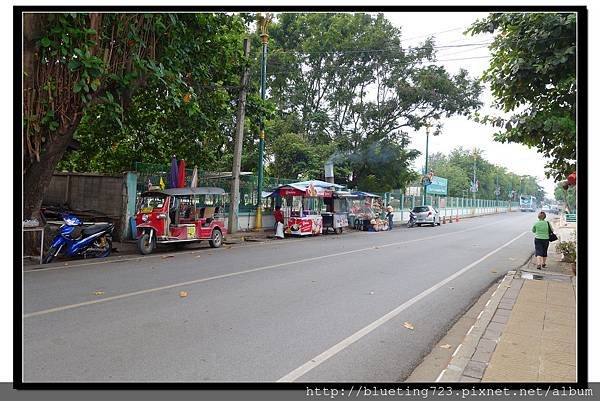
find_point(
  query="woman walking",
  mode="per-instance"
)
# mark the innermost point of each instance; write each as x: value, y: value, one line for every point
x: 542, y: 231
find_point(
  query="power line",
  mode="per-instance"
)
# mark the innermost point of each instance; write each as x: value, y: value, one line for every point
x: 433, y: 34
x: 426, y: 62
x: 390, y: 49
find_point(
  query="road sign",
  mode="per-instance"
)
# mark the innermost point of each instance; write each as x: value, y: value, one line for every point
x: 438, y: 186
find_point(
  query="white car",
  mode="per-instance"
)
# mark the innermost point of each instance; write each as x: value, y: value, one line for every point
x: 426, y: 215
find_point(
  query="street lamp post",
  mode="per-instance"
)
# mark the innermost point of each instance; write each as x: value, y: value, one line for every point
x: 474, y: 172
x: 264, y: 37
x: 426, y: 164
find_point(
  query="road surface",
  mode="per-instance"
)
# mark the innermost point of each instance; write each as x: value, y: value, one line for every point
x: 323, y: 309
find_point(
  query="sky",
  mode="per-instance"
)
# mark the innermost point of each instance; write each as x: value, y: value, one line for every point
x: 447, y: 29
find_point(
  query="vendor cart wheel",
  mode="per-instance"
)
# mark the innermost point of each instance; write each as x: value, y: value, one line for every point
x: 216, y: 238
x: 338, y: 230
x: 144, y: 244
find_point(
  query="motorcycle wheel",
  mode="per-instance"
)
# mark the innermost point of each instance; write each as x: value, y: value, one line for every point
x: 144, y: 245
x: 216, y: 239
x: 50, y: 255
x: 105, y: 243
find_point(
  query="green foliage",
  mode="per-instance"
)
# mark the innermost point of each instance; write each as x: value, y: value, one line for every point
x: 532, y: 76
x: 457, y: 167
x: 569, y: 196
x: 345, y: 79
x: 186, y: 106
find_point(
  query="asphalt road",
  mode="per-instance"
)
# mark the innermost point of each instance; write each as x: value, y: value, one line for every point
x: 329, y: 308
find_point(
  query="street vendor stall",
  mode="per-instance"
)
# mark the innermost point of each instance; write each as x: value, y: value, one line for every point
x: 366, y: 211
x: 302, y: 204
x: 337, y: 208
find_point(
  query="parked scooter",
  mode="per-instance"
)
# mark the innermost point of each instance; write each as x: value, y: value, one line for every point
x: 75, y: 239
x: 412, y: 220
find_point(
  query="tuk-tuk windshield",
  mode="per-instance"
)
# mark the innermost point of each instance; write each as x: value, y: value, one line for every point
x: 151, y: 201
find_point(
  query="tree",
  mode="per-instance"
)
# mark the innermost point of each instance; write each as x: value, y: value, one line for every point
x: 568, y: 196
x: 532, y: 76
x: 346, y: 79
x: 457, y: 167
x: 128, y: 86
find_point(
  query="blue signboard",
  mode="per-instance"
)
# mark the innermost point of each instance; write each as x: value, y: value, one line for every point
x: 438, y: 186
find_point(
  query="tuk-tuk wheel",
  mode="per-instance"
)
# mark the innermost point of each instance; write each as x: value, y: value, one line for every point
x: 144, y: 244
x: 216, y: 238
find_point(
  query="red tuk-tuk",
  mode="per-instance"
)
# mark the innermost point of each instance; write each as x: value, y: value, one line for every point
x: 179, y: 216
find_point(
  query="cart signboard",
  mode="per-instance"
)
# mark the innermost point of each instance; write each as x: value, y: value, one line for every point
x: 438, y: 186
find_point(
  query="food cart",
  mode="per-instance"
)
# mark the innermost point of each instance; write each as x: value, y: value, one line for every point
x: 366, y: 211
x: 302, y: 205
x: 336, y: 213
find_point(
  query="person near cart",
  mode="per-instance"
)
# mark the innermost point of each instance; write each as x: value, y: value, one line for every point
x: 278, y: 215
x: 390, y: 217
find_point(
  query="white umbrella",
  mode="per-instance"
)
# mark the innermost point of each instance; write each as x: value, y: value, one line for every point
x: 194, y: 183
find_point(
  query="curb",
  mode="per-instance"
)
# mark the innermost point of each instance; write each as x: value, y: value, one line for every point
x: 463, y: 353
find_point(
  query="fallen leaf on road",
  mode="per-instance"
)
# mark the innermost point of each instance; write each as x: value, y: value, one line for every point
x: 99, y: 293
x: 494, y: 271
x: 183, y: 294
x: 167, y: 256
x: 446, y: 346
x: 409, y: 326
x: 227, y: 247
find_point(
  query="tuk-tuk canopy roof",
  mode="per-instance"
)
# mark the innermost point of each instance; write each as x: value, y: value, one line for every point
x: 187, y: 191
x: 362, y: 194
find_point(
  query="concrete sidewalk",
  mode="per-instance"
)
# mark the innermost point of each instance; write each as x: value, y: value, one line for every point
x: 527, y: 331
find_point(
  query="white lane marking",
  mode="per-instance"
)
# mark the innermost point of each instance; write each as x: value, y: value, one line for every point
x: 202, y: 280
x: 268, y: 243
x: 319, y: 359
x: 440, y: 375
x: 456, y: 350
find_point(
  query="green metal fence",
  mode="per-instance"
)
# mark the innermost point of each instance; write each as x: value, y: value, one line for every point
x: 148, y: 172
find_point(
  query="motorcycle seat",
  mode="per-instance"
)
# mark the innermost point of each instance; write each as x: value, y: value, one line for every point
x: 96, y: 228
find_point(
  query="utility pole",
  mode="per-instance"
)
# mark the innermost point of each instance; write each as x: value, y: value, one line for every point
x: 237, y: 147
x: 263, y: 23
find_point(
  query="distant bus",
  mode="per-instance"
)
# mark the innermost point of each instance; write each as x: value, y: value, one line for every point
x: 527, y: 203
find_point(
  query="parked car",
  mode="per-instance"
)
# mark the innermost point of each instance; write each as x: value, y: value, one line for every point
x: 426, y: 215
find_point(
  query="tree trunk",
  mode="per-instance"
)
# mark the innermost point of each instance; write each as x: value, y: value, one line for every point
x: 37, y: 177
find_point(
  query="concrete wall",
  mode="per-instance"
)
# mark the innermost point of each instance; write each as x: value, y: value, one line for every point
x: 98, y: 197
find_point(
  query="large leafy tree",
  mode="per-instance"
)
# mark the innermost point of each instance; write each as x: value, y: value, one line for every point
x: 127, y: 87
x: 347, y: 80
x: 532, y: 75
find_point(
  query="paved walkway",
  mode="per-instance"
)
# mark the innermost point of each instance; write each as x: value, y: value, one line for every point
x: 527, y: 331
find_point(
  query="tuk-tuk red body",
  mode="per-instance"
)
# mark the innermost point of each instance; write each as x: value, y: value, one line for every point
x: 179, y: 215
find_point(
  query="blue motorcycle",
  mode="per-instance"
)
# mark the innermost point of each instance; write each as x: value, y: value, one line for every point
x: 75, y: 239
